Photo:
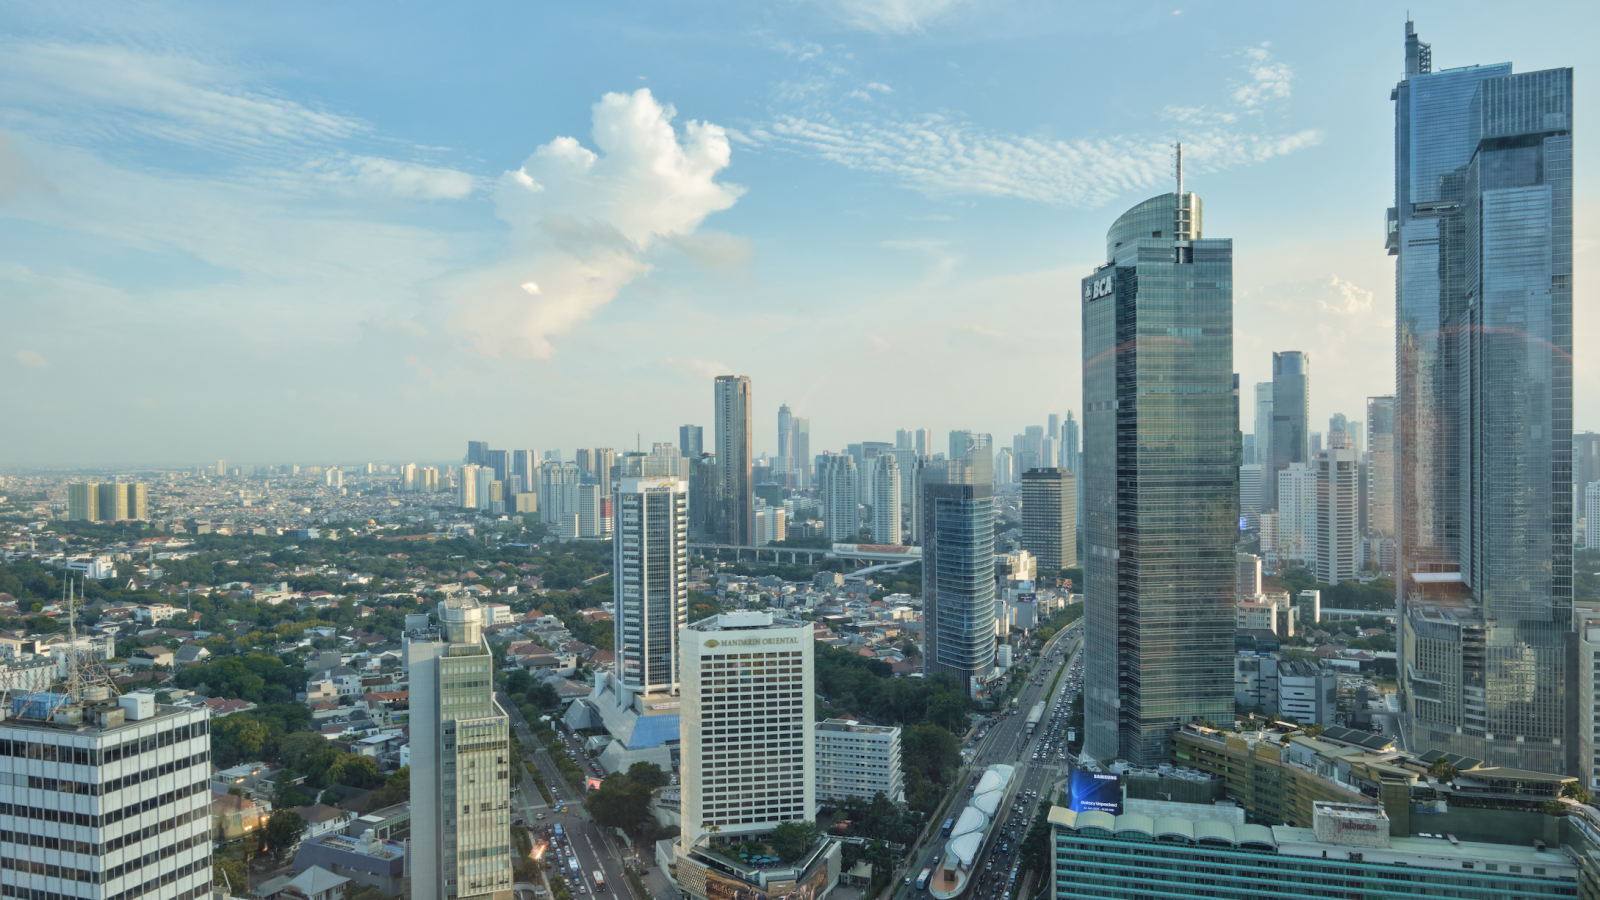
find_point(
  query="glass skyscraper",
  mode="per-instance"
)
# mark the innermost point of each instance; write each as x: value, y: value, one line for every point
x: 733, y: 409
x: 1161, y: 481
x: 1291, y: 407
x: 1482, y: 228
x: 958, y: 629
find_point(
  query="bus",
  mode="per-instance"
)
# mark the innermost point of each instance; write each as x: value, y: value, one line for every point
x: 599, y: 881
x: 922, y: 880
x: 559, y: 835
x: 572, y: 863
x: 948, y: 825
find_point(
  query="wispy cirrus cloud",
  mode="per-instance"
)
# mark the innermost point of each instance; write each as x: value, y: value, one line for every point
x: 891, y: 16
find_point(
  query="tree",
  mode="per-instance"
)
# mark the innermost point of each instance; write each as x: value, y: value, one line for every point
x: 232, y: 874
x: 649, y: 775
x: 284, y: 830
x: 328, y: 798
x: 545, y: 696
x: 790, y: 840
x: 397, y: 789
x: 1442, y: 770
x: 296, y: 750
x: 1575, y: 790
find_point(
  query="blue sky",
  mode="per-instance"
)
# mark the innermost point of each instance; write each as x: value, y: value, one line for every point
x: 333, y: 232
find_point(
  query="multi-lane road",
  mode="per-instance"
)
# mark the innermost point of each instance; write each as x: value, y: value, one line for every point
x: 595, y: 850
x: 1008, y: 742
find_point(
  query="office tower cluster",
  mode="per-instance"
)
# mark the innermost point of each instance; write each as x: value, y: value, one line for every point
x: 108, y: 502
x: 1160, y: 514
x: 1481, y: 229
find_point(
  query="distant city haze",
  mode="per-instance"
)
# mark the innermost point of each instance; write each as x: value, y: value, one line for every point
x: 269, y: 237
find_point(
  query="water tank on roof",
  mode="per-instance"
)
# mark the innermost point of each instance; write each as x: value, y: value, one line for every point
x: 138, y: 705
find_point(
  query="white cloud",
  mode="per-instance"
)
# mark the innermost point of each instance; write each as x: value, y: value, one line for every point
x: 32, y: 359
x: 891, y: 16
x: 700, y: 369
x: 113, y: 93
x: 1268, y: 80
x: 584, y: 229
x: 913, y: 245
x: 389, y: 176
x: 715, y: 249
x: 942, y: 155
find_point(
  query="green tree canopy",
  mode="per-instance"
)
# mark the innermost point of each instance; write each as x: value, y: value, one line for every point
x: 790, y: 840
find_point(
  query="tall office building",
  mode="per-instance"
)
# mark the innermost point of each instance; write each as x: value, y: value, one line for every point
x: 802, y: 452
x: 1161, y: 479
x: 886, y: 522
x: 124, y: 810
x: 460, y: 758
x: 651, y: 556
x: 1050, y: 517
x: 1263, y: 427
x: 1585, y: 460
x: 1482, y: 228
x: 841, y: 515
x: 1071, y: 445
x: 500, y: 463
x: 1250, y: 496
x: 1338, y: 511
x: 477, y: 453
x: 138, y: 500
x: 903, y: 439
x: 733, y: 409
x: 221, y: 468
x: 747, y: 747
x: 525, y: 465
x: 83, y: 502
x: 958, y: 620
x: 708, y: 507
x: 1052, y: 432
x: 1591, y: 527
x: 784, y: 465
x: 1003, y: 467
x: 856, y: 760
x: 594, y: 509
x: 1297, y: 518
x: 584, y: 458
x: 1291, y: 407
x: 923, y: 442
x: 1380, y: 467
x: 486, y: 491
x: 113, y: 502
x: 691, y: 441
x: 467, y: 496
x: 770, y: 524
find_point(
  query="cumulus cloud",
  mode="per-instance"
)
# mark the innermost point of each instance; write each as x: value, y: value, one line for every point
x: 1268, y: 80
x: 32, y: 359
x: 583, y: 223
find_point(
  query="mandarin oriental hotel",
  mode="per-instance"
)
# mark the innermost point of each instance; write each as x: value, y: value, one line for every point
x: 747, y: 707
x: 103, y: 798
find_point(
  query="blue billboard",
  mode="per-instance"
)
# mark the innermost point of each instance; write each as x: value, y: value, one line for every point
x: 1094, y: 791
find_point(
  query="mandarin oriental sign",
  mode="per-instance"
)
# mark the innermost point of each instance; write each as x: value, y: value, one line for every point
x: 744, y: 642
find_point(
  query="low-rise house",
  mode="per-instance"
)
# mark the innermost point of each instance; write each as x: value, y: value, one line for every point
x: 235, y: 818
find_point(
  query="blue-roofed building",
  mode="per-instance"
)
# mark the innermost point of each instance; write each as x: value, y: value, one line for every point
x: 643, y: 727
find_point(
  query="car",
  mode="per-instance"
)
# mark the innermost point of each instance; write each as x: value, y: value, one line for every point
x: 539, y: 816
x: 936, y: 859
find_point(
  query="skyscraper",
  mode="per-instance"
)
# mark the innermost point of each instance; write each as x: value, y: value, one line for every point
x: 903, y: 439
x: 886, y: 528
x: 1291, y: 407
x: 1338, y: 512
x: 558, y: 492
x: 1050, y: 517
x: 83, y: 502
x: 733, y: 409
x: 924, y: 442
x: 784, y: 463
x: 651, y: 555
x: 1250, y: 495
x: 1071, y: 445
x: 1380, y: 467
x: 138, y: 500
x: 841, y: 516
x: 467, y: 493
x: 1263, y: 427
x: 802, y: 452
x: 691, y: 441
x: 1585, y: 460
x: 1297, y: 518
x: 1482, y: 232
x: 958, y: 621
x: 1161, y: 481
x: 708, y: 507
x: 500, y: 462
x: 477, y: 453
x: 1052, y: 432
x: 460, y: 758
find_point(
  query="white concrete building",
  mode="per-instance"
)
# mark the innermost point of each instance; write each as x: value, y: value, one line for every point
x: 746, y: 751
x: 770, y: 525
x: 460, y: 758
x: 886, y: 522
x: 1591, y: 512
x: 127, y: 813
x: 855, y: 760
x: 840, y: 514
x: 1297, y: 515
x: 1250, y: 494
x: 1338, y: 556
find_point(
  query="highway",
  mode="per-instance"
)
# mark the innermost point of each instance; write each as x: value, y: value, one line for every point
x: 594, y: 849
x: 1008, y: 742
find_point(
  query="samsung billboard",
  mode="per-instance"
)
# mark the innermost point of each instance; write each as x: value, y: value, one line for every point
x: 1094, y: 791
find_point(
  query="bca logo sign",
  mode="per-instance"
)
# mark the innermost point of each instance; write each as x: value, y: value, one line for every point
x: 1103, y: 287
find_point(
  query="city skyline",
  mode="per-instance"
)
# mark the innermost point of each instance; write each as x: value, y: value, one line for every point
x: 819, y: 253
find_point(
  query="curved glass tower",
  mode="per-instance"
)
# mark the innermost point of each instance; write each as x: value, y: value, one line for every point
x: 1161, y: 463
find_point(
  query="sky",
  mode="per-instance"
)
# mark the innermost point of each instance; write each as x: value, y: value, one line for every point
x: 326, y: 233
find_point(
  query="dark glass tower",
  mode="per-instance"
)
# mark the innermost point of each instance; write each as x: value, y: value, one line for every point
x: 1291, y: 408
x: 958, y: 628
x: 1482, y: 228
x: 1161, y: 482
x: 733, y: 409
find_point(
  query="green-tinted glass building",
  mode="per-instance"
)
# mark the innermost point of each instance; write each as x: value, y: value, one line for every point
x: 1160, y: 480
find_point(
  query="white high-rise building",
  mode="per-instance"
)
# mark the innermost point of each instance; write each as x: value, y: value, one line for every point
x: 112, y: 793
x: 770, y: 524
x: 746, y: 745
x: 886, y: 522
x: 484, y: 488
x: 460, y: 758
x: 592, y: 519
x: 1338, y: 512
x: 651, y: 559
x: 558, y: 492
x: 855, y: 760
x: 840, y: 514
x: 1297, y: 515
x: 468, y: 498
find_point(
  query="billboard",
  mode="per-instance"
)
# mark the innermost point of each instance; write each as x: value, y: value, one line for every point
x: 593, y: 784
x: 1094, y: 791
x: 722, y: 887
